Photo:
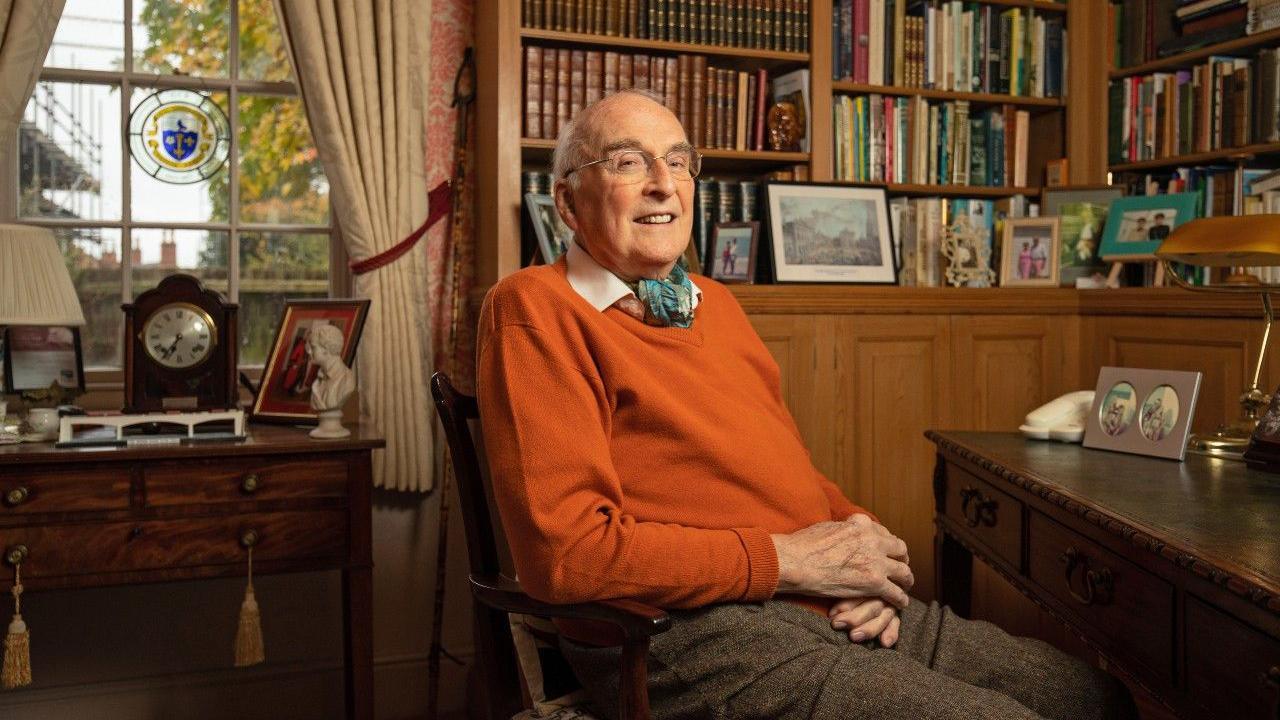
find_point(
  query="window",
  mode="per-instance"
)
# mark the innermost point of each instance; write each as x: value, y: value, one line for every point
x: 258, y: 229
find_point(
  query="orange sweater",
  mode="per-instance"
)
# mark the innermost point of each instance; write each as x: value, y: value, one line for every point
x: 632, y: 461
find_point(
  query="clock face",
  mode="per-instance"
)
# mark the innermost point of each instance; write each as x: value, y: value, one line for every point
x: 179, y: 335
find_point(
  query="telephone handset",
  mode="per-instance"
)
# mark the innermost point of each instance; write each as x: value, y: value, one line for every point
x: 1060, y: 419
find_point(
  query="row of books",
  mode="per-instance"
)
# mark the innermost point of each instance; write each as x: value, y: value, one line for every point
x: 955, y: 46
x: 919, y: 225
x: 761, y: 24
x: 718, y: 107
x: 1225, y: 102
x: 912, y: 140
x: 721, y: 201
x: 1146, y: 30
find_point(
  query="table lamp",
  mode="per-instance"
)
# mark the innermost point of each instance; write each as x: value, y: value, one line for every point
x: 35, y: 287
x: 1231, y: 241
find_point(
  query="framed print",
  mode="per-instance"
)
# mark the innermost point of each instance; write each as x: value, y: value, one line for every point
x: 733, y: 252
x: 1029, y: 252
x: 829, y: 233
x: 1082, y: 213
x: 1137, y: 225
x: 1145, y: 412
x: 284, y: 392
x: 553, y: 235
x: 36, y: 356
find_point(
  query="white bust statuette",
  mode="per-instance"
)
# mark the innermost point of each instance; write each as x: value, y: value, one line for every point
x: 334, y: 381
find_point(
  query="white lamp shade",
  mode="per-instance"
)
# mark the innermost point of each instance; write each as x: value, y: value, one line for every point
x: 35, y: 287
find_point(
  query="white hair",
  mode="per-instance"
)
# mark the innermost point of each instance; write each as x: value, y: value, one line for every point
x: 576, y: 143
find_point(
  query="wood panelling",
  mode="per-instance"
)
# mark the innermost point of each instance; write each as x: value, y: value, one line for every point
x: 794, y: 342
x: 1006, y: 366
x: 892, y: 384
x: 1224, y: 350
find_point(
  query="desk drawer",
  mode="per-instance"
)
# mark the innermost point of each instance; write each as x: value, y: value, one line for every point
x: 1233, y: 669
x: 1130, y: 610
x: 993, y: 517
x: 257, y: 479
x: 88, y: 549
x: 54, y: 491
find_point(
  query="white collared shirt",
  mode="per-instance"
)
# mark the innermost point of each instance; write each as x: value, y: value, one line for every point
x: 598, y: 286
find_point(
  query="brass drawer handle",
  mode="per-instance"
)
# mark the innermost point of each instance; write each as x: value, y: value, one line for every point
x: 977, y: 510
x: 16, y: 496
x: 249, y: 485
x: 1273, y: 676
x: 249, y: 538
x: 1098, y: 584
x: 16, y: 555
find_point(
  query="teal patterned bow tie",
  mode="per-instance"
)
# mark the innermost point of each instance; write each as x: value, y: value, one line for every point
x: 669, y: 302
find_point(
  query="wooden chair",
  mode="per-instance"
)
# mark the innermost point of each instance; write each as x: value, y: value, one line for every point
x: 494, y: 594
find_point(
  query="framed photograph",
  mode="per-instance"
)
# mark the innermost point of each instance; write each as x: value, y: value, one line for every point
x: 1137, y: 225
x: 733, y: 252
x: 553, y: 235
x: 1145, y: 412
x: 36, y: 356
x: 1082, y: 210
x: 829, y: 233
x: 284, y: 392
x: 1029, y: 252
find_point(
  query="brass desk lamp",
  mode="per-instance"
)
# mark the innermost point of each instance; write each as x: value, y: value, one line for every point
x: 1246, y: 240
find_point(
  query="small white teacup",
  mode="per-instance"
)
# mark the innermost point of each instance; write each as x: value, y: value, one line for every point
x: 43, y: 422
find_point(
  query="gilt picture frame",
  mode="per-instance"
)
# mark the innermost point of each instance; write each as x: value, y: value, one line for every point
x: 284, y: 391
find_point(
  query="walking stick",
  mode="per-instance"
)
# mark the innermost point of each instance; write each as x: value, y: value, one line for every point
x: 463, y: 97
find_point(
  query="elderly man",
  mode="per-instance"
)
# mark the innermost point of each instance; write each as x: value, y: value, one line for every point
x: 640, y: 449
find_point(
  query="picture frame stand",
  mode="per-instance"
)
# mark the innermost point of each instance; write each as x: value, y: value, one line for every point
x: 1117, y: 267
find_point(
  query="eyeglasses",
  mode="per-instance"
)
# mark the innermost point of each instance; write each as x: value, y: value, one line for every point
x: 633, y: 165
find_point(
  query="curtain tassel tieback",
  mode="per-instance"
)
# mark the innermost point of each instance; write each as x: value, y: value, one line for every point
x: 249, y: 648
x: 17, y: 644
x: 440, y: 202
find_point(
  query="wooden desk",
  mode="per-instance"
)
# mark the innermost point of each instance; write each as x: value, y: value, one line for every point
x: 164, y: 513
x: 1171, y: 570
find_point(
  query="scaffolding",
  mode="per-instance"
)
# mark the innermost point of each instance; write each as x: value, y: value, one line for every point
x: 60, y: 155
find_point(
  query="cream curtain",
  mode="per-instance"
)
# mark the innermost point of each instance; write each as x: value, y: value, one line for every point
x: 362, y: 72
x: 26, y: 29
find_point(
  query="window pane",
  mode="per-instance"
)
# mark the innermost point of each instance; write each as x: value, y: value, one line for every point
x: 275, y: 266
x: 90, y: 36
x: 281, y: 180
x: 181, y: 38
x: 93, y: 257
x: 159, y: 201
x: 69, y: 152
x: 262, y: 54
x: 160, y: 253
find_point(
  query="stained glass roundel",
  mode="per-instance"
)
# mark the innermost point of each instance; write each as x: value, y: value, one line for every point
x: 179, y: 136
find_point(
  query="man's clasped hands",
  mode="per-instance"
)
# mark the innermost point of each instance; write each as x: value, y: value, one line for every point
x: 856, y: 560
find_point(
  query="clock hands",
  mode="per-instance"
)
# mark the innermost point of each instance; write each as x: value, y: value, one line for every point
x: 172, y: 348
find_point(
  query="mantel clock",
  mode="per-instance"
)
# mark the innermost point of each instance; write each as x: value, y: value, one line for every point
x: 179, y: 348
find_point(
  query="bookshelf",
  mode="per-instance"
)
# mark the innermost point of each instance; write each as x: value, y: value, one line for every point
x: 1062, y: 127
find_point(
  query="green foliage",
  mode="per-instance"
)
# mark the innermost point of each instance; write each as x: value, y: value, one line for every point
x: 281, y: 180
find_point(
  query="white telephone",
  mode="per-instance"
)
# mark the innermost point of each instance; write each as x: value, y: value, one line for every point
x: 1061, y: 419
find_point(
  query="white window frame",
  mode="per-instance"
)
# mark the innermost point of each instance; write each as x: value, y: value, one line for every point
x: 339, y: 276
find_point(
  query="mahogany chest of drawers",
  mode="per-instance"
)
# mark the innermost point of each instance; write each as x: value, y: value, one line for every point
x: 85, y: 517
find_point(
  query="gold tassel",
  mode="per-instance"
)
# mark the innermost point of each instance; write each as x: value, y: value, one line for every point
x: 17, y: 644
x: 249, y: 650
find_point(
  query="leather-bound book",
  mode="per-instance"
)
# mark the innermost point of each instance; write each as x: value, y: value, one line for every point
x: 595, y: 77
x: 563, y: 88
x: 577, y: 84
x: 740, y: 110
x: 762, y: 100
x: 624, y: 71
x: 549, y: 62
x: 640, y: 72
x: 533, y: 91
x: 697, y: 113
x: 671, y: 89
x: 709, y: 116
x: 658, y: 77
x: 683, y: 95
x: 611, y: 59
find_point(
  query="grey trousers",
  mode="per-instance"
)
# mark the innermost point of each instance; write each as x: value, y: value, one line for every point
x: 778, y: 661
